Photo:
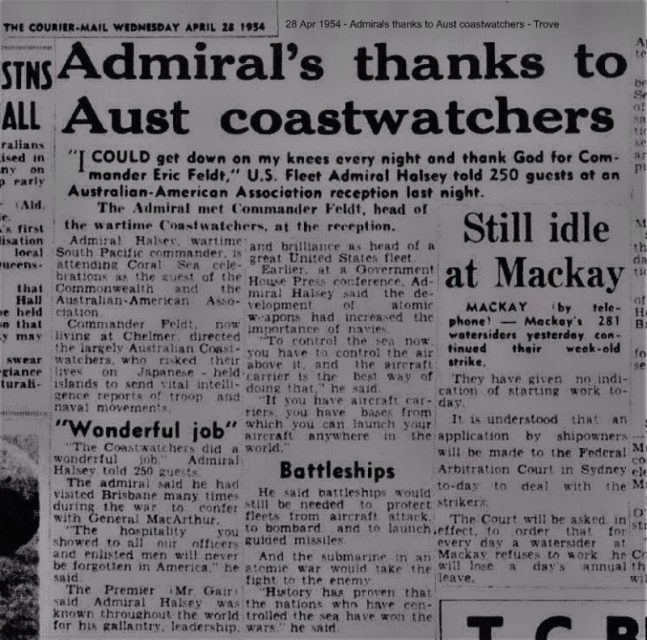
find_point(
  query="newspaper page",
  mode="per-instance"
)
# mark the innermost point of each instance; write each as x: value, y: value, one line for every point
x: 322, y: 319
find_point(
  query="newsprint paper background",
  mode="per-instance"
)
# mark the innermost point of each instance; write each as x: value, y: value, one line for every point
x: 323, y: 319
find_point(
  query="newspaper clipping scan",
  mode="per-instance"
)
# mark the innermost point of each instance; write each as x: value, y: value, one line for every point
x: 323, y: 318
